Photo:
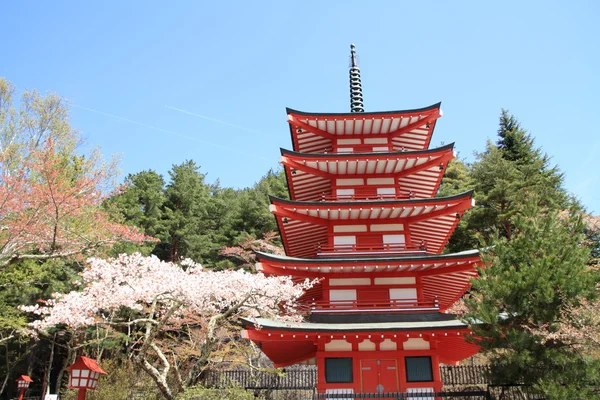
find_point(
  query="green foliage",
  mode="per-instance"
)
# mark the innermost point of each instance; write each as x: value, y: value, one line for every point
x: 192, y: 218
x: 505, y: 176
x: 185, y: 207
x: 26, y: 282
x: 514, y: 142
x: 251, y: 214
x: 141, y: 204
x: 528, y: 281
x: 457, y: 180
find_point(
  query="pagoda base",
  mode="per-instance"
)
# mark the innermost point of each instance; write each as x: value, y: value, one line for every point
x: 387, y: 357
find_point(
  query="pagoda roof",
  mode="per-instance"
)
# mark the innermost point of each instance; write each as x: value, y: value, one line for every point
x: 411, y: 258
x: 408, y: 129
x: 287, y: 343
x: 443, y: 276
x: 305, y: 225
x: 280, y: 325
x: 417, y: 173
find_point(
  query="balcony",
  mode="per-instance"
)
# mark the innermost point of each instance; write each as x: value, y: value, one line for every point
x: 344, y: 250
x: 355, y: 306
x: 363, y: 148
x: 365, y: 196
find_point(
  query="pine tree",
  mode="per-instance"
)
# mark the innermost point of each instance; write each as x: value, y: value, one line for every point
x: 514, y: 142
x: 504, y: 176
x: 184, y: 212
x: 141, y: 204
x: 529, y: 280
x: 457, y: 180
x: 251, y: 216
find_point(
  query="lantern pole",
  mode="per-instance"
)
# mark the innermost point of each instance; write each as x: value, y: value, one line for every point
x: 23, y: 383
x: 81, y: 394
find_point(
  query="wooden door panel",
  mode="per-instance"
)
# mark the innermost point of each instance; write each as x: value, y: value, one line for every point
x: 379, y: 376
x: 388, y: 375
x: 369, y: 376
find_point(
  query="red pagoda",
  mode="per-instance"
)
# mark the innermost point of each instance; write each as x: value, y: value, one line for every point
x: 363, y: 218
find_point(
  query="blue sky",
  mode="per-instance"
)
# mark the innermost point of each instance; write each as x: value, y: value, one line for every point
x: 163, y: 82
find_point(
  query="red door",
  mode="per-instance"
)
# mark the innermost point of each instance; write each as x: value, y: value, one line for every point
x: 369, y: 375
x: 379, y: 376
x: 388, y: 375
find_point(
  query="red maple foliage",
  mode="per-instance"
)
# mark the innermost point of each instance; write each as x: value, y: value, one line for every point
x: 51, y: 195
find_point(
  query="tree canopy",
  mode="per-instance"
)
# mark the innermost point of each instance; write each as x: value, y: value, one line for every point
x: 520, y: 297
x: 50, y: 195
x: 505, y: 176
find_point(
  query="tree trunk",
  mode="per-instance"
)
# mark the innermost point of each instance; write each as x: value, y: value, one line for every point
x: 48, y: 370
x: 31, y: 361
x: 160, y: 381
x: 196, y: 372
x: 8, y: 371
x: 69, y: 359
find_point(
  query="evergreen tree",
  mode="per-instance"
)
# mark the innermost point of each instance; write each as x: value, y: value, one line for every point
x: 252, y: 216
x: 514, y: 142
x: 195, y: 219
x: 148, y: 192
x: 506, y: 175
x: 141, y: 204
x: 184, y: 213
x: 215, y: 235
x: 528, y: 282
x: 457, y: 180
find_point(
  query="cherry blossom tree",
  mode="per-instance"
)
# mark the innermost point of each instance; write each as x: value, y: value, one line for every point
x: 150, y: 298
x: 50, y: 194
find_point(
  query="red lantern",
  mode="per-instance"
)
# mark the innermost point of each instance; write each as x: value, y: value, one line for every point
x: 84, y: 375
x: 23, y: 383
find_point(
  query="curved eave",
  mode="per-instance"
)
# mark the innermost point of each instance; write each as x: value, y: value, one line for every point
x: 304, y: 225
x: 416, y: 174
x: 404, y: 128
x: 269, y: 324
x: 375, y: 203
x: 343, y: 156
x: 469, y: 254
x: 366, y: 114
x: 286, y: 344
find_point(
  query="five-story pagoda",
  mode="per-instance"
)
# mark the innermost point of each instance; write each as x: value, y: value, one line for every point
x: 363, y: 218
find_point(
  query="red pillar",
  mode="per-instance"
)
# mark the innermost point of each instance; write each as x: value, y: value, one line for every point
x: 81, y: 394
x: 21, y: 393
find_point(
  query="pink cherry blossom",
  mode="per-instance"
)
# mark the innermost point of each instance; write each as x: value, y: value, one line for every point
x: 137, y: 282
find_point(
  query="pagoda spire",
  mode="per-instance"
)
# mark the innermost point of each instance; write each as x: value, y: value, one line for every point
x: 356, y: 97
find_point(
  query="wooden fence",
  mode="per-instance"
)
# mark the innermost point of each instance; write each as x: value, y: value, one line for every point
x: 464, y: 375
x: 306, y: 378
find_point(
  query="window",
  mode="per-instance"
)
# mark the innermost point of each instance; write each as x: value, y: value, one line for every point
x: 338, y: 370
x: 418, y: 369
